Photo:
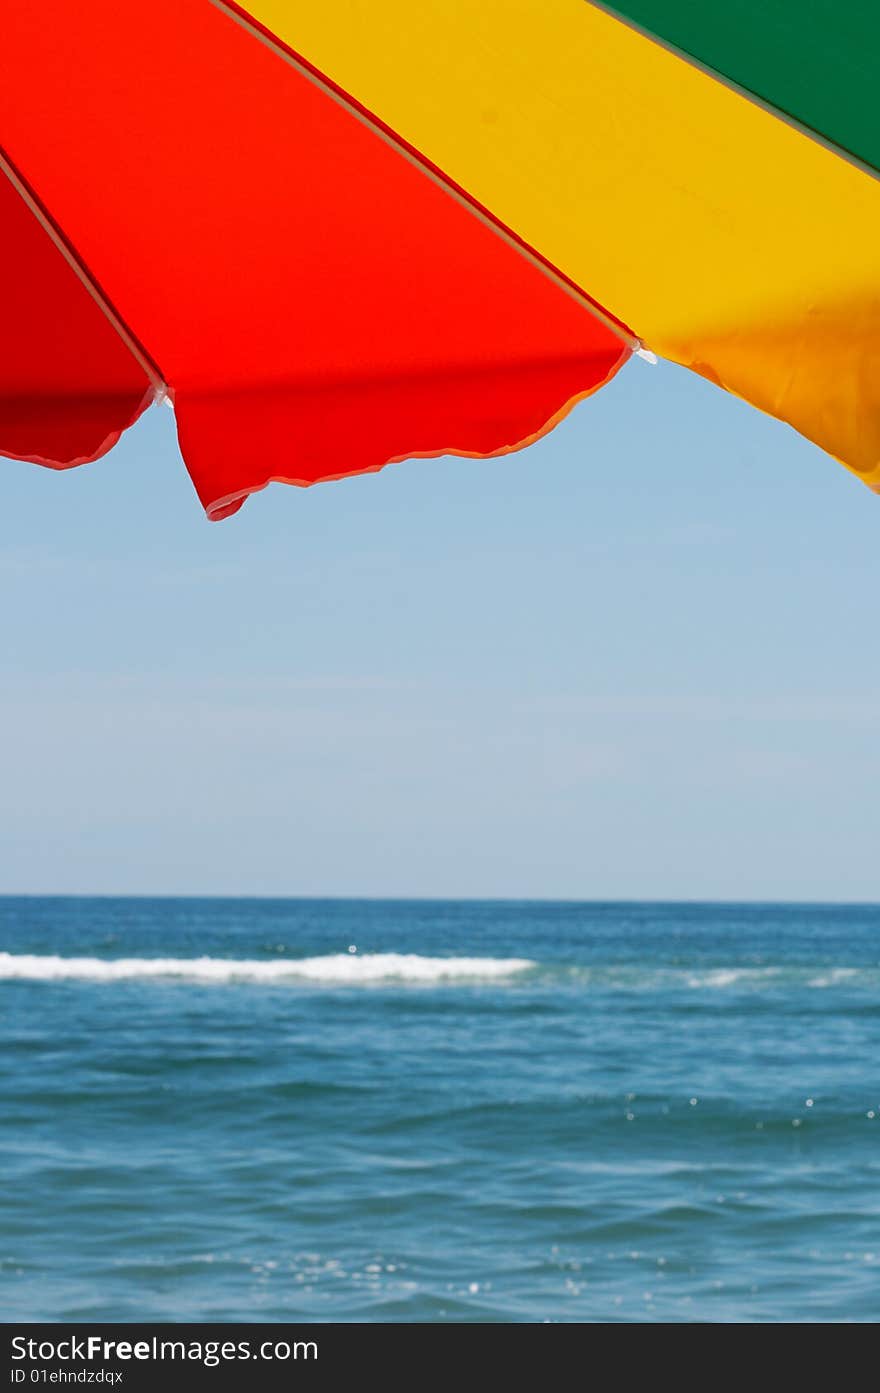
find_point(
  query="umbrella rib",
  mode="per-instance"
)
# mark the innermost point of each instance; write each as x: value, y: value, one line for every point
x: 426, y: 166
x: 87, y: 279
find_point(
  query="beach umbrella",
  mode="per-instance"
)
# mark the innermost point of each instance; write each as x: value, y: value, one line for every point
x: 337, y: 233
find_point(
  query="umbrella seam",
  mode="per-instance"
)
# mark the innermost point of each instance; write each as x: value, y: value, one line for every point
x: 427, y: 167
x: 786, y: 117
x: 85, y: 276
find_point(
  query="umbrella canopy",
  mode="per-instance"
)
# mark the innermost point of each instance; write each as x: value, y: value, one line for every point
x: 336, y: 235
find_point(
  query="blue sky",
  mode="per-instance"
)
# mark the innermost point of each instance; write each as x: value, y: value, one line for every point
x: 639, y: 659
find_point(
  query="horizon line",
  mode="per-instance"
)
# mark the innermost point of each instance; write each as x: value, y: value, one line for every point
x: 440, y: 899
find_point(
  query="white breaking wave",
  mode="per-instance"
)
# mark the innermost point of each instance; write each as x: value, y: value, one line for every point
x: 731, y: 976
x: 346, y: 968
x: 833, y: 976
x: 365, y: 969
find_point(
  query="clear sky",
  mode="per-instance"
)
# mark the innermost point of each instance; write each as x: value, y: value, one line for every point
x: 637, y: 660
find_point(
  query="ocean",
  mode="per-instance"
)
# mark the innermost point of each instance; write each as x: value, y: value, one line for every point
x: 216, y: 1109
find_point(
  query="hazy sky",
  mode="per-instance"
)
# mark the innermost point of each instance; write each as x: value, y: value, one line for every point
x: 639, y: 659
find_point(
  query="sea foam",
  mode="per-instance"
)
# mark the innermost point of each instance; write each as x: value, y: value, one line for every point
x: 353, y: 969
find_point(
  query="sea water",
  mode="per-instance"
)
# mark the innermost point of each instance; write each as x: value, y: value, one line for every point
x: 310, y: 1110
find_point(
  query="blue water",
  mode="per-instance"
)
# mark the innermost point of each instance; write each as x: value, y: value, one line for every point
x: 669, y: 1112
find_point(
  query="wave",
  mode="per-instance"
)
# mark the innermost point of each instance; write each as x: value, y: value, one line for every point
x: 778, y: 977
x: 732, y: 976
x: 365, y: 969
x: 348, y: 969
x: 833, y: 976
